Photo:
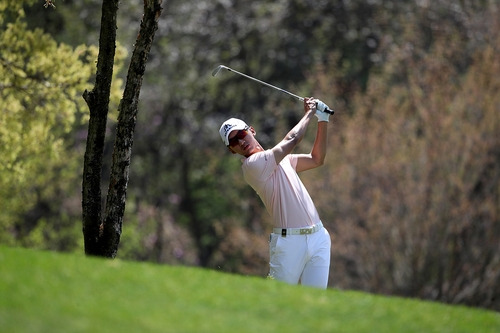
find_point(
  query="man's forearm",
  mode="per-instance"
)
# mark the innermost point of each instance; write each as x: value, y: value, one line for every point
x: 318, y: 152
x: 295, y: 135
x: 298, y: 132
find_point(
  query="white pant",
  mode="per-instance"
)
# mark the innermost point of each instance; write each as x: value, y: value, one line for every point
x: 304, y: 258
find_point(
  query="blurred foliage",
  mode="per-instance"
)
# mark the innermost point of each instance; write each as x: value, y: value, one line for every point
x: 40, y: 145
x: 417, y: 167
x: 410, y: 191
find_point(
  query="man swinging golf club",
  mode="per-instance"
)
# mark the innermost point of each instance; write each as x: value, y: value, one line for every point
x: 299, y: 245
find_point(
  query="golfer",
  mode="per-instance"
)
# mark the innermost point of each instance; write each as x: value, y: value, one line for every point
x: 299, y: 246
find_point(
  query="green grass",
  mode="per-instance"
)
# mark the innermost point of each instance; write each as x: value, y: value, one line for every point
x: 53, y: 292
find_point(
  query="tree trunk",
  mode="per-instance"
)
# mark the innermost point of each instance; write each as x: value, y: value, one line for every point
x: 102, y: 236
x: 98, y: 102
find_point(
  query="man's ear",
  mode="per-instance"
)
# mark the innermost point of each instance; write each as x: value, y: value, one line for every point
x: 231, y: 150
x: 252, y: 130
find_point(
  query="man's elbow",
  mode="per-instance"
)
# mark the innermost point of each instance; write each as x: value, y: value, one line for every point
x: 318, y: 161
x: 293, y: 138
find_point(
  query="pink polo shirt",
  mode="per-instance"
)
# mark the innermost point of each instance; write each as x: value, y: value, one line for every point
x: 280, y: 189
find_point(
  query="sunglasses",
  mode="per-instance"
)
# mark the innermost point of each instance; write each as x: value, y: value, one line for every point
x: 240, y: 135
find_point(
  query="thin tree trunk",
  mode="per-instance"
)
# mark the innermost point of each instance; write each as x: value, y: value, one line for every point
x: 117, y: 192
x: 98, y: 103
x: 102, y: 236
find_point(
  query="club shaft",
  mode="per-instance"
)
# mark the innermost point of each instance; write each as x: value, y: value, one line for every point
x: 264, y: 83
x: 217, y: 70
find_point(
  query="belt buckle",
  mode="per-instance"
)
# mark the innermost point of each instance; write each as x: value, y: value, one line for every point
x: 306, y: 231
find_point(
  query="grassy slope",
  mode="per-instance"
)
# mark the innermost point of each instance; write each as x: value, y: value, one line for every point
x: 53, y: 292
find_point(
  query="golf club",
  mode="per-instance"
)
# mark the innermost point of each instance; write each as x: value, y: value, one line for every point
x: 217, y: 70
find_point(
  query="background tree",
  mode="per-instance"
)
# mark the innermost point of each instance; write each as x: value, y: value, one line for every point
x: 418, y: 168
x: 40, y: 105
x: 102, y: 235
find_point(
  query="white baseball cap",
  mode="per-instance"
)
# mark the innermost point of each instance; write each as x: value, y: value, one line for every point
x: 232, y: 124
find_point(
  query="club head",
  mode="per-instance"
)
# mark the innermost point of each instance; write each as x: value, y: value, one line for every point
x: 217, y: 70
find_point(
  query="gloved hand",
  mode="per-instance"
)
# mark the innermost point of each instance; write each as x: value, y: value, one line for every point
x: 321, y: 109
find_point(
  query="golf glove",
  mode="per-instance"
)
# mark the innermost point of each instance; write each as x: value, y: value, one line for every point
x: 320, y: 111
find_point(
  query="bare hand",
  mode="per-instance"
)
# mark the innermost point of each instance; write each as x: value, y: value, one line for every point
x: 309, y: 104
